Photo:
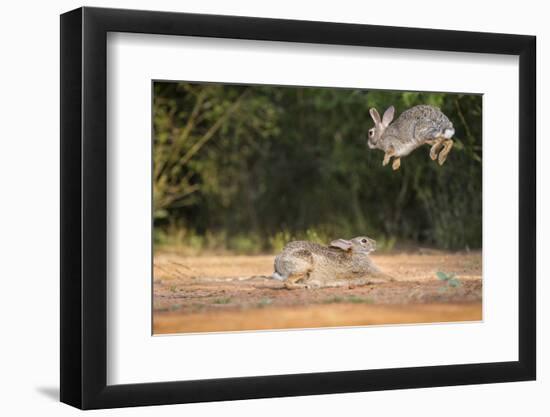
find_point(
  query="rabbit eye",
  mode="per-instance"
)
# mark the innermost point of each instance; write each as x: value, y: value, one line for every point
x: 364, y: 241
x: 371, y: 132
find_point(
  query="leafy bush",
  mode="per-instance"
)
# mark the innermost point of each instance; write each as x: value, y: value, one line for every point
x: 247, y: 168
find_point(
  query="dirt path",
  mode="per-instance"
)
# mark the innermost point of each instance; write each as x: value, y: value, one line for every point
x: 230, y: 293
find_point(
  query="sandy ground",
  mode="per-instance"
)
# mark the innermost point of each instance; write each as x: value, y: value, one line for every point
x: 231, y: 293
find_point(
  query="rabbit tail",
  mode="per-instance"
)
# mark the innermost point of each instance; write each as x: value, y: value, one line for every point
x: 448, y: 133
x: 281, y: 273
x: 278, y: 276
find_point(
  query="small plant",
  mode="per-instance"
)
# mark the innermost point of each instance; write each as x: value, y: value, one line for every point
x: 223, y: 300
x: 279, y: 240
x: 314, y: 236
x: 244, y: 244
x: 353, y: 299
x: 334, y: 299
x: 384, y: 243
x: 450, y: 280
x: 264, y: 302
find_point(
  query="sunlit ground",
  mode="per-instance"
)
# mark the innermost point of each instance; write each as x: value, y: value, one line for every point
x: 232, y: 293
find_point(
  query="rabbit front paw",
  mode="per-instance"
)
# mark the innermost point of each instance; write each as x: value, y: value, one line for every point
x: 387, y: 157
x: 396, y: 164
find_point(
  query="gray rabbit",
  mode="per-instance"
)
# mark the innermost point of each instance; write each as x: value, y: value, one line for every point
x: 415, y: 127
x: 342, y: 263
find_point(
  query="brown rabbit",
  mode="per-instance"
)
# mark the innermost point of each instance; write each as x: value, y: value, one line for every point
x: 342, y: 263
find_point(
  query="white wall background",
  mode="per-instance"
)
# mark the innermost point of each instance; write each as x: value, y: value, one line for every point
x: 29, y: 225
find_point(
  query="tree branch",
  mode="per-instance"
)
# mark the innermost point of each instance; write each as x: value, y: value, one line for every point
x: 212, y: 130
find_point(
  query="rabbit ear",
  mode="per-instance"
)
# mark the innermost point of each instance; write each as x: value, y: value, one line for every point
x: 345, y: 245
x: 388, y: 116
x: 375, y: 116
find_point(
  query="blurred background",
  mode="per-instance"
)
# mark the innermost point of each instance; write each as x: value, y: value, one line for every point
x: 245, y: 169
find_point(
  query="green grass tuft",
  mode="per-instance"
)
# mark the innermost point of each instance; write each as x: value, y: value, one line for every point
x: 450, y: 279
x: 223, y: 300
x: 353, y: 299
x: 264, y: 302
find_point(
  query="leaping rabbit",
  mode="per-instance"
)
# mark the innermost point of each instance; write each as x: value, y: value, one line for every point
x: 415, y: 127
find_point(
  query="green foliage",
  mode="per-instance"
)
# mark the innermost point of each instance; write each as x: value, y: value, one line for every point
x: 279, y: 240
x: 353, y: 299
x: 450, y: 279
x: 248, y: 168
x: 264, y: 302
x: 223, y: 300
x: 245, y: 244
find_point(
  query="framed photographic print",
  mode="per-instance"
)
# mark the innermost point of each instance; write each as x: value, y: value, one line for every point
x: 257, y: 208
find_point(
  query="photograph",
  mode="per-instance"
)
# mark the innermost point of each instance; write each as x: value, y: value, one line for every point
x: 193, y: 189
x: 298, y: 207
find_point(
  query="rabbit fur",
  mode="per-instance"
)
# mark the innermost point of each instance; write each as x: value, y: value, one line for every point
x: 303, y: 264
x: 419, y: 125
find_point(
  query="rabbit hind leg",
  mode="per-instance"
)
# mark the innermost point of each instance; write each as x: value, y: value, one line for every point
x: 437, y: 144
x: 447, y: 145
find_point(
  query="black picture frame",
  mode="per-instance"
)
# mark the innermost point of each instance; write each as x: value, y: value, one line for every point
x: 84, y: 207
